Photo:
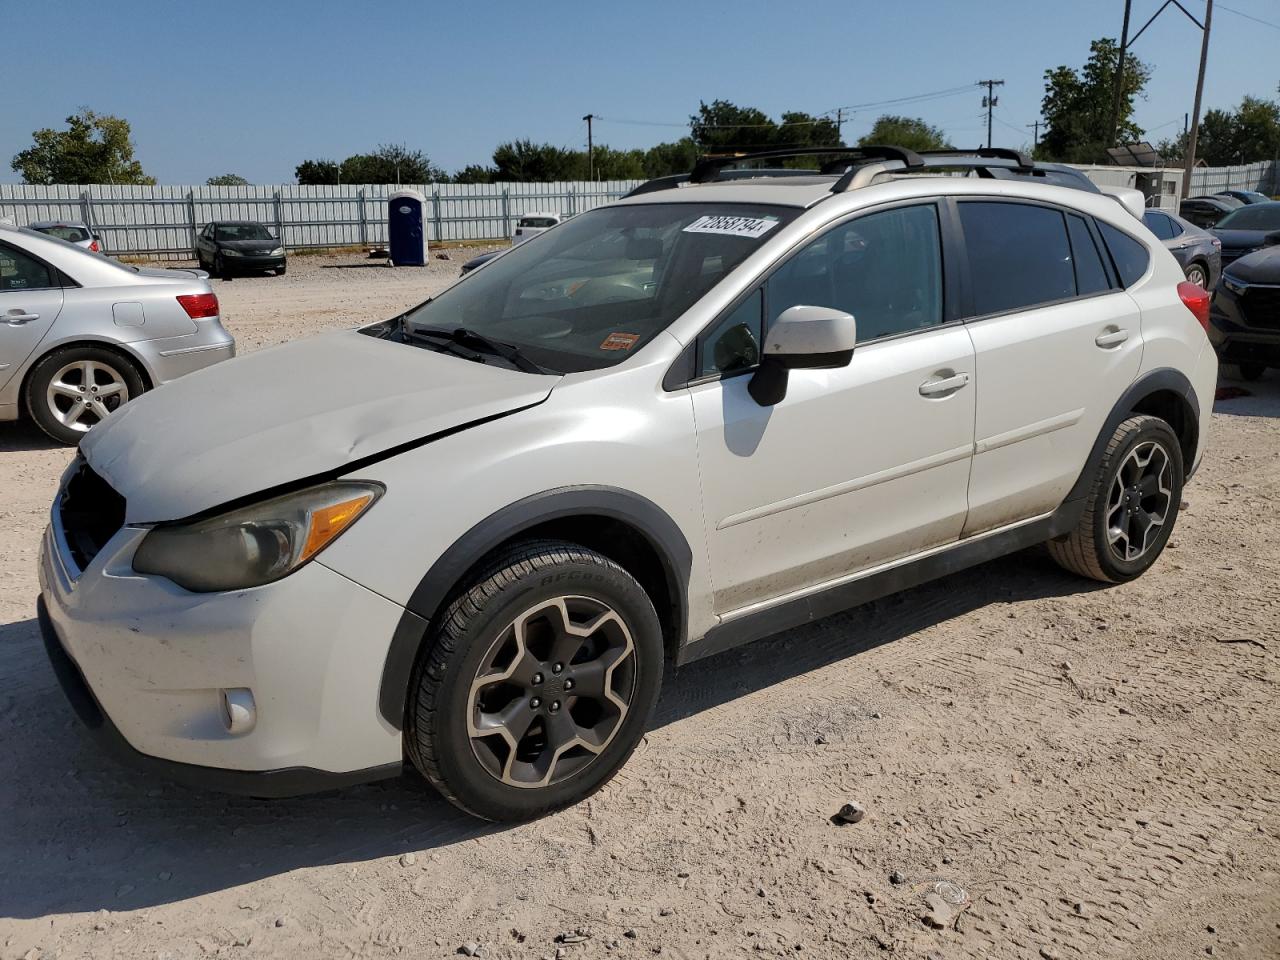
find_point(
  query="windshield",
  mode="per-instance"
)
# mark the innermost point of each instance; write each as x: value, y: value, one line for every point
x: 243, y: 231
x: 1261, y: 216
x: 597, y: 288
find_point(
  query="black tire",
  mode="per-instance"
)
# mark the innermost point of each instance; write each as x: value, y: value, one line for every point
x: 220, y: 269
x: 280, y: 270
x: 1197, y: 272
x: 479, y: 621
x: 1088, y: 549
x: 36, y: 392
x: 1244, y: 371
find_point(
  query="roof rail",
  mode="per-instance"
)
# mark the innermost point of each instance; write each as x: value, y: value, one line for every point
x: 709, y: 168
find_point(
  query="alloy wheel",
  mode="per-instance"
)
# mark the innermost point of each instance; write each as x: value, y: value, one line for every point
x: 1197, y: 275
x: 1140, y: 499
x: 551, y: 692
x: 82, y: 393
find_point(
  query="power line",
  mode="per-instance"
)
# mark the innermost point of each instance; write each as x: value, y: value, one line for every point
x: 1248, y: 16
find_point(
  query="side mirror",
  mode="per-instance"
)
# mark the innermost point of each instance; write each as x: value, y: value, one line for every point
x: 801, y: 337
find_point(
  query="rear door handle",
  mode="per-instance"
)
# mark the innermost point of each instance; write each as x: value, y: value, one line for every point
x: 933, y: 388
x: 1111, y: 338
x: 17, y: 317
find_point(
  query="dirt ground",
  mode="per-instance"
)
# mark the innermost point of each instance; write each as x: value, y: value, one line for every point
x: 1091, y: 772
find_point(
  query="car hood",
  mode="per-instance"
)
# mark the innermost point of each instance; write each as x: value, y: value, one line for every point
x: 1261, y: 266
x: 1235, y: 239
x: 291, y: 413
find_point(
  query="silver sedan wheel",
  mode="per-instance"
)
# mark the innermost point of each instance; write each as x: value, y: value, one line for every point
x: 551, y: 692
x: 1139, y: 501
x: 81, y: 394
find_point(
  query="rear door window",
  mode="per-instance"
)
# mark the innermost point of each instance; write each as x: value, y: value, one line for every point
x: 19, y: 271
x: 1159, y: 224
x: 1129, y: 256
x: 1019, y: 255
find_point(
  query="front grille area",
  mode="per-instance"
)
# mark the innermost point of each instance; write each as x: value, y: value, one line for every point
x: 1261, y: 307
x: 90, y: 512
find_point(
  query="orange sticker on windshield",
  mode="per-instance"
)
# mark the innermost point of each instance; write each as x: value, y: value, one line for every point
x: 620, y: 341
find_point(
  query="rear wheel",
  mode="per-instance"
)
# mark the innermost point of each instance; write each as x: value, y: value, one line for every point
x: 1243, y: 371
x: 1131, y: 507
x: 1198, y: 275
x: 74, y: 389
x: 537, y: 685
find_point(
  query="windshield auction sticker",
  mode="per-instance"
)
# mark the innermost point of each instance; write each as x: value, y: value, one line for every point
x: 732, y: 226
x: 620, y: 341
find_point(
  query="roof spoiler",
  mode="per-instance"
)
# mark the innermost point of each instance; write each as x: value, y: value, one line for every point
x: 1135, y: 201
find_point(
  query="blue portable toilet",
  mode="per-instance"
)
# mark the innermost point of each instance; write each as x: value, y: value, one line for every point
x: 406, y: 227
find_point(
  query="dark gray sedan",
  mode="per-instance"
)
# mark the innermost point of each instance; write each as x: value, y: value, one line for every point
x: 1198, y: 251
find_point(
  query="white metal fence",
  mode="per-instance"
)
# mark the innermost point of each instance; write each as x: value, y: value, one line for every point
x: 164, y: 220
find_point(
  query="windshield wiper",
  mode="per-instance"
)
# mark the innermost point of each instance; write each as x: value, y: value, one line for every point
x: 478, y: 341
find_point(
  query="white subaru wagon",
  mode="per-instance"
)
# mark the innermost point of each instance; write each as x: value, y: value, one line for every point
x: 474, y: 537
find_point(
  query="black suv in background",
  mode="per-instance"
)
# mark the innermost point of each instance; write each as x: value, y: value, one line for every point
x: 227, y: 247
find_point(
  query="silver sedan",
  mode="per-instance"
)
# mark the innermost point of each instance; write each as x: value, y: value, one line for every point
x: 80, y: 333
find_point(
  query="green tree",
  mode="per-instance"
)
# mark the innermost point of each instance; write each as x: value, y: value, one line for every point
x: 391, y: 163
x: 227, y: 180
x: 1077, y: 105
x: 910, y: 132
x: 1248, y: 133
x: 474, y: 173
x: 524, y: 160
x: 613, y: 164
x: 95, y: 148
x: 666, y: 159
x: 316, y: 173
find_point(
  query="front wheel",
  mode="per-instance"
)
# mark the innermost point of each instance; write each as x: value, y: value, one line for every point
x: 1244, y: 371
x: 537, y: 685
x: 280, y: 270
x: 1132, y: 506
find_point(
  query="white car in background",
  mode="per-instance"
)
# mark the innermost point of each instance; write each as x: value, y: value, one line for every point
x: 531, y: 224
x: 72, y: 231
x: 82, y: 334
x: 478, y: 534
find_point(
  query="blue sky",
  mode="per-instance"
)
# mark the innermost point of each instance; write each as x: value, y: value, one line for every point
x: 253, y: 88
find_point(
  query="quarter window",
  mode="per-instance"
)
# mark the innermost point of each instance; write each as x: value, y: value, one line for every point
x: 19, y: 271
x: 1130, y: 256
x: 734, y: 343
x: 1091, y: 275
x: 1019, y: 255
x: 884, y: 268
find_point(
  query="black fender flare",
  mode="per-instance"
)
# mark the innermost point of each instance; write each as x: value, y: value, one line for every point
x: 653, y: 523
x: 1163, y: 378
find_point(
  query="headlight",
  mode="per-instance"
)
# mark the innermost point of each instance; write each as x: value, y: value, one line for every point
x: 257, y: 544
x: 1234, y: 285
x: 277, y: 252
x: 232, y: 253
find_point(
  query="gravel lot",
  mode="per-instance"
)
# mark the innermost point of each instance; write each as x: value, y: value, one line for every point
x: 1092, y: 772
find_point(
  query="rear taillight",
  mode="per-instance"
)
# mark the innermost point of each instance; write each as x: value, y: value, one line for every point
x: 94, y: 247
x: 201, y: 305
x: 1196, y: 299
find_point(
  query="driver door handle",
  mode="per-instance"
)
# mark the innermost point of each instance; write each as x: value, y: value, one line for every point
x: 16, y: 317
x: 932, y: 388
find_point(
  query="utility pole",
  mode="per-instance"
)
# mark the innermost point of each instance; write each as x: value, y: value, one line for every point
x: 840, y: 124
x: 1035, y: 142
x: 1195, y: 107
x: 591, y: 165
x: 1119, y: 93
x: 990, y: 101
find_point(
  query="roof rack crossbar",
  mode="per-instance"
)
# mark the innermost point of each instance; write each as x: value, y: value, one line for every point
x: 708, y: 168
x: 993, y: 153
